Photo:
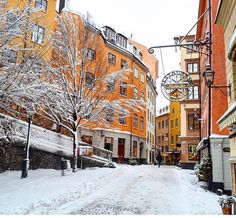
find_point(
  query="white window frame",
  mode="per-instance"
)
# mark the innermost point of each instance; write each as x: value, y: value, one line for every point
x: 142, y: 78
x: 41, y: 4
x: 38, y: 34
x: 136, y: 72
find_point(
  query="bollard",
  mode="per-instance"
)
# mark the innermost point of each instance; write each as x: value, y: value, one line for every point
x: 62, y: 167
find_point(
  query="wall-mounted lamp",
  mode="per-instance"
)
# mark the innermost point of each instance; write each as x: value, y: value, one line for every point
x: 208, y: 76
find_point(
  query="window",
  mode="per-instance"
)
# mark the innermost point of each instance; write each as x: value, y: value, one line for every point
x: 12, y: 22
x: 91, y: 54
x: 193, y: 122
x: 162, y: 138
x: 142, y: 77
x: 173, y: 110
x: 192, y: 67
x: 111, y: 59
x: 194, y: 93
x: 38, y: 34
x: 135, y: 121
x: 110, y: 114
x: 135, y: 51
x: 120, y: 40
x: 140, y: 56
x: 122, y: 117
x: 167, y: 123
x: 136, y: 73
x: 124, y: 64
x: 41, y: 4
x: 163, y: 124
x: 172, y: 139
x: 176, y: 122
x: 111, y: 35
x: 176, y: 138
x: 142, y: 97
x: 141, y: 123
x: 135, y: 94
x: 90, y: 80
x: 135, y: 144
x: 192, y: 47
x: 159, y: 125
x: 192, y: 153
x: 111, y: 85
x: 123, y: 88
x: 8, y: 56
x: 172, y: 124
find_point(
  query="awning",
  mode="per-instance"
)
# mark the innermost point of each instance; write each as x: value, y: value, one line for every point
x: 202, y: 144
x: 231, y: 53
x: 228, y: 118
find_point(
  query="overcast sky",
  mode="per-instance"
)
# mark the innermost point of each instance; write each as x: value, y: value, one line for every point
x: 150, y: 22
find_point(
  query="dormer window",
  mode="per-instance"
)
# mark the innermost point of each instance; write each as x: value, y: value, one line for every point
x: 140, y: 56
x: 110, y: 34
x: 121, y: 40
x: 135, y: 50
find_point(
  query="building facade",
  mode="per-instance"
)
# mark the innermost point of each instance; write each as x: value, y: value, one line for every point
x: 126, y: 134
x: 226, y: 17
x: 174, y: 132
x: 162, y: 132
x: 151, y: 94
x: 190, y: 108
x: 214, y: 103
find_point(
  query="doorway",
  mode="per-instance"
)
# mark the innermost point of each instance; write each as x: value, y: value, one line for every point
x: 121, y: 150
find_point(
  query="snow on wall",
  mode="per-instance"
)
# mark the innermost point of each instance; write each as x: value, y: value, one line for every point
x: 40, y: 138
x: 220, y: 160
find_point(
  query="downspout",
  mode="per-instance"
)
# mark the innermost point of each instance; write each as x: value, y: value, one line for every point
x: 200, y: 104
x: 131, y: 117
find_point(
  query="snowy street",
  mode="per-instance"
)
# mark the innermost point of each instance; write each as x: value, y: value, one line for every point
x: 126, y: 189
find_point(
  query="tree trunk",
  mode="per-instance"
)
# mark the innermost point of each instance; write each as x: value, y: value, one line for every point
x: 75, y: 154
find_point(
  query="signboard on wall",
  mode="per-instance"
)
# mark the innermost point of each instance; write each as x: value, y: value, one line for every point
x: 176, y: 85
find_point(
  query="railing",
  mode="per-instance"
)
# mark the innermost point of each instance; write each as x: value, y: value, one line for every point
x: 101, y: 152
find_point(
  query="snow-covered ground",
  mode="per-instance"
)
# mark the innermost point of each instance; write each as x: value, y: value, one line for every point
x: 126, y: 189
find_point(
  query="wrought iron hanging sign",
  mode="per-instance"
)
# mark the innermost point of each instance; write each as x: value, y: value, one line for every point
x: 176, y: 85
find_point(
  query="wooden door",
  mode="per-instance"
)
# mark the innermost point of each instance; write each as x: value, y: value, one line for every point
x: 121, y: 153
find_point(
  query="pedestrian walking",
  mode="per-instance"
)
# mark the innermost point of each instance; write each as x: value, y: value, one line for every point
x: 159, y: 158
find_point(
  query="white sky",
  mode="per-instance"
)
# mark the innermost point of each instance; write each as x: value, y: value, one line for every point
x: 151, y: 22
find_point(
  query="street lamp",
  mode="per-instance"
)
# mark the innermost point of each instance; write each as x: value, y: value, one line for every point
x: 208, y: 76
x: 25, y: 164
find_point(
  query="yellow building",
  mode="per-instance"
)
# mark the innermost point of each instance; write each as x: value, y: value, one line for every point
x: 41, y: 22
x: 226, y: 16
x: 174, y: 132
x: 190, y: 107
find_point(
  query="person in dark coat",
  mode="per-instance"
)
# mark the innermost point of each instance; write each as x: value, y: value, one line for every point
x: 159, y: 158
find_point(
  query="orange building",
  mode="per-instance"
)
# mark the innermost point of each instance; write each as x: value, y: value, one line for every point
x: 126, y: 136
x: 151, y: 94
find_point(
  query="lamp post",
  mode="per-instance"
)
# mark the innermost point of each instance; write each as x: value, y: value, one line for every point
x: 25, y: 164
x: 208, y: 76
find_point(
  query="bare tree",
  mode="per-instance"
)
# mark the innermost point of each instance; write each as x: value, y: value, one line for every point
x: 21, y: 61
x: 83, y: 96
